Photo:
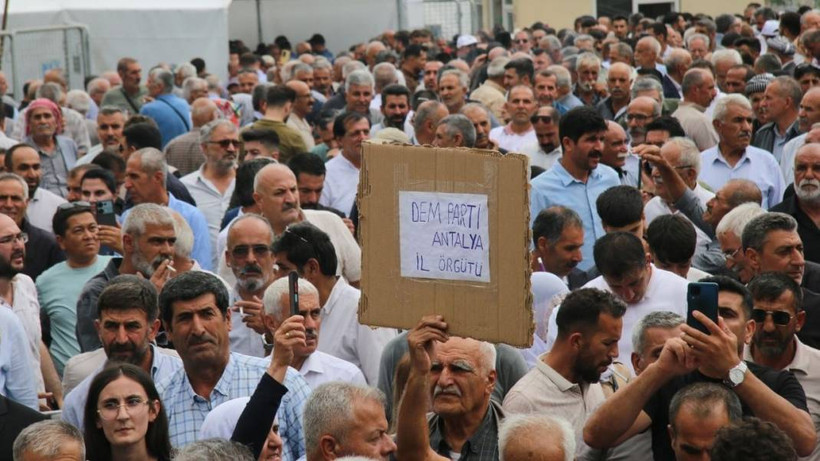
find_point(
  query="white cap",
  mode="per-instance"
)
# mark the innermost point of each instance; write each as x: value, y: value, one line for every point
x: 770, y: 28
x: 465, y: 40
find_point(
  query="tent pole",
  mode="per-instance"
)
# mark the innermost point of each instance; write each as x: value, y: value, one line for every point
x: 3, y: 38
x: 259, y: 19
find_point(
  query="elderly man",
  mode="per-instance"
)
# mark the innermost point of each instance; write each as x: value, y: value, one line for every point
x: 677, y: 62
x: 302, y: 107
x: 425, y: 121
x: 315, y: 366
x: 587, y: 66
x: 729, y: 232
x: 723, y: 60
x: 455, y: 131
x: 148, y: 238
x: 24, y: 161
x: 491, y: 92
x: 734, y: 158
x: 457, y: 376
x: 649, y: 336
x: 127, y: 323
x: 171, y: 112
x: 145, y: 180
x: 195, y: 313
x: 343, y: 419
x: 696, y: 413
x: 640, y: 112
x: 615, y: 155
x: 342, y: 334
x: 249, y: 257
x: 49, y: 439
x: 453, y: 86
x: 185, y: 151
x: 58, y: 154
x: 212, y: 185
x: 808, y: 116
x: 342, y: 180
x: 522, y: 435
x: 805, y: 203
x: 781, y: 102
x: 520, y: 107
x: 130, y: 96
x: 565, y: 380
x: 698, y: 88
x: 619, y: 82
x: 359, y: 94
x: 558, y: 235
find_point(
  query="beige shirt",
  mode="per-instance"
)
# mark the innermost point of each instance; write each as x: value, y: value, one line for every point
x: 696, y: 125
x: 304, y: 129
x: 491, y: 95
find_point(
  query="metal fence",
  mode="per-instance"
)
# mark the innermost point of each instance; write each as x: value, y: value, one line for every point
x: 29, y: 53
x: 446, y: 18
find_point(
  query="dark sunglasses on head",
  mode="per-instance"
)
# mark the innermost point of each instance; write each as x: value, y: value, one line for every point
x: 241, y: 251
x: 72, y: 205
x: 541, y: 118
x: 778, y: 317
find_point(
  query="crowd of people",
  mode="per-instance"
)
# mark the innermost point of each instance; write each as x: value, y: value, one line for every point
x: 148, y: 225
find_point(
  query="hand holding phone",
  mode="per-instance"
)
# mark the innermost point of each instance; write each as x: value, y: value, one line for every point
x: 703, y: 297
x: 106, y: 216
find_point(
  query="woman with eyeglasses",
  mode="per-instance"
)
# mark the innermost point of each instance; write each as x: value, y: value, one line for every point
x: 129, y: 422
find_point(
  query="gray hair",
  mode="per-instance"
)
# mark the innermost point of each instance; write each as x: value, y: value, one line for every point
x: 352, y: 66
x: 322, y: 63
x: 214, y: 450
x: 804, y: 16
x: 646, y: 83
x: 164, y: 76
x: 95, y: 85
x: 623, y: 49
x: 426, y: 112
x: 789, y: 88
x: 460, y: 124
x: 691, y: 79
x: 588, y: 59
x: 463, y: 80
x: 329, y: 410
x: 359, y: 77
x: 213, y: 82
x: 111, y: 110
x: 487, y: 356
x: 702, y: 398
x: 46, y: 439
x: 727, y: 54
x: 676, y: 57
x: 552, y: 43
x: 384, y: 73
x: 768, y: 63
x: 474, y: 105
x: 532, y: 426
x: 735, y: 221
x: 184, y: 244
x: 272, y: 299
x: 186, y: 70
x: 658, y: 319
x: 756, y: 231
x: 292, y: 68
x: 582, y: 38
x: 722, y: 106
x: 191, y: 83
x: 51, y: 91
x: 207, y: 130
x: 247, y: 216
x: 8, y: 176
x: 496, y: 67
x: 152, y: 160
x: 656, y: 45
x: 697, y: 36
x: 563, y: 79
x: 689, y: 152
x: 78, y: 100
x: 146, y: 214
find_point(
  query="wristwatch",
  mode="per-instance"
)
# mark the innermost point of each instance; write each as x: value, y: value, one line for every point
x: 736, y: 375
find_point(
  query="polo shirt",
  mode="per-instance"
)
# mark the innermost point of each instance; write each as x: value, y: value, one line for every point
x: 482, y: 445
x: 341, y: 184
x: 806, y: 228
x: 557, y: 187
x: 210, y: 202
x: 756, y: 165
x: 511, y: 141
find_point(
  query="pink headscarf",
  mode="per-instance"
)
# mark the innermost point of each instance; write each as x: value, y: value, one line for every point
x: 40, y: 103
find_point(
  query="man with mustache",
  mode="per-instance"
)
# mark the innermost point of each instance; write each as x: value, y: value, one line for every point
x: 734, y: 158
x: 781, y: 103
x: 249, y: 257
x: 619, y: 81
x: 698, y: 88
x: 778, y: 316
x: 565, y: 380
x: 110, y: 122
x: 127, y: 324
x: 576, y: 180
x: 587, y: 66
x: 213, y: 183
x: 342, y: 180
x: 395, y: 106
x: 640, y: 112
x: 547, y: 150
x: 616, y: 155
x: 148, y: 239
x: 519, y: 133
x: 808, y: 116
x: 57, y: 152
x: 24, y: 161
x: 804, y: 205
x: 315, y: 366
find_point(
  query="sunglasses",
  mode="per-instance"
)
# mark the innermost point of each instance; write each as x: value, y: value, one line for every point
x: 546, y: 119
x: 778, y: 317
x: 225, y: 143
x: 242, y: 251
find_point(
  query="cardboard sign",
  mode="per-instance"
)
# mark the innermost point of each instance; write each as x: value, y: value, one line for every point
x: 446, y: 231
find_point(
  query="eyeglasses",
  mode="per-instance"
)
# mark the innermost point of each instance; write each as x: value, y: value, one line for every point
x: 778, y: 317
x: 546, y: 119
x: 242, y: 251
x: 133, y: 406
x: 731, y: 254
x: 22, y: 236
x: 637, y: 117
x: 225, y: 143
x: 81, y: 204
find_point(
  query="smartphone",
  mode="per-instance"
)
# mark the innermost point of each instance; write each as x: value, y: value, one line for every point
x: 284, y: 57
x: 105, y: 213
x: 293, y: 289
x: 703, y: 297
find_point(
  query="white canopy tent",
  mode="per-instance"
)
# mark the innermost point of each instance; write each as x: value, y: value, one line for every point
x: 152, y: 31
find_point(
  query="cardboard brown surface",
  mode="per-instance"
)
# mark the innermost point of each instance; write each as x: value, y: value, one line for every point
x: 499, y: 310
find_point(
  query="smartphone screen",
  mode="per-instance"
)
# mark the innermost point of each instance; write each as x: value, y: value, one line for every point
x: 703, y: 297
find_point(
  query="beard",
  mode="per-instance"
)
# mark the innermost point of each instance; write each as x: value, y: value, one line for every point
x: 250, y: 283
x: 144, y: 266
x: 129, y: 351
x: 771, y: 349
x: 810, y: 194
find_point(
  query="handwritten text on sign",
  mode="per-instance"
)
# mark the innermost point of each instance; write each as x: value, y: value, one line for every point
x: 444, y: 236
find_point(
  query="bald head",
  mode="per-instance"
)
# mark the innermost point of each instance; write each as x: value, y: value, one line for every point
x: 203, y: 111
x: 809, y: 109
x: 496, y: 52
x: 297, y: 86
x: 740, y: 191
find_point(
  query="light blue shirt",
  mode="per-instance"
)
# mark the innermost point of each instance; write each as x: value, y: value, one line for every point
x: 199, y: 225
x: 172, y: 114
x: 16, y: 372
x: 756, y: 165
x: 557, y: 187
x: 187, y: 410
x: 162, y: 366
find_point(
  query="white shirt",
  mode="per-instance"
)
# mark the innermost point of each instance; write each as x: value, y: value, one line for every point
x: 6, y: 142
x: 244, y: 339
x: 756, y: 165
x: 320, y: 368
x: 341, y: 184
x: 540, y: 158
x: 658, y: 207
x: 27, y: 309
x: 344, y: 337
x: 41, y: 208
x: 513, y: 142
x: 665, y: 292
x: 787, y: 160
x: 210, y: 202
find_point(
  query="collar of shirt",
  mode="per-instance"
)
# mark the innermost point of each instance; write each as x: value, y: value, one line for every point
x: 791, y: 129
x: 199, y: 176
x: 562, y: 383
x: 335, y: 295
x: 313, y: 364
x: 743, y: 159
x: 509, y: 131
x: 567, y: 179
x: 222, y: 386
x: 488, y: 430
x: 802, y: 360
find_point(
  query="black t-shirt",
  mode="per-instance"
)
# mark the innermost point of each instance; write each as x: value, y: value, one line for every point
x: 783, y: 383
